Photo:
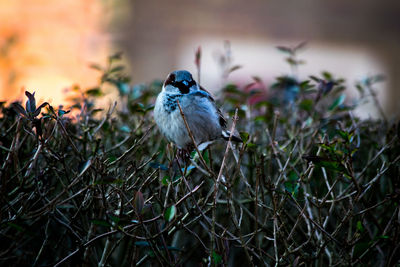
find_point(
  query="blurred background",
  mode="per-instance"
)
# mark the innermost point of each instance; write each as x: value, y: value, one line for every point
x: 47, y: 46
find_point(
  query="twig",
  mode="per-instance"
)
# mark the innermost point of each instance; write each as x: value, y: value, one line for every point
x: 193, y: 140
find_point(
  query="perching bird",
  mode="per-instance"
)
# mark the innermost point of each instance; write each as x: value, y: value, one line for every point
x: 204, y: 119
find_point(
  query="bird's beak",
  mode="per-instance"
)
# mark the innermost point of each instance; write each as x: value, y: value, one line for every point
x: 185, y: 83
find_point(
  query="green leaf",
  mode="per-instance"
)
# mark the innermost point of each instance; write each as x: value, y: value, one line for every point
x: 94, y: 92
x: 101, y: 223
x: 233, y: 89
x: 115, y: 219
x: 170, y: 213
x: 217, y: 258
x: 117, y: 68
x: 116, y: 56
x: 306, y: 104
x: 16, y: 226
x: 244, y: 136
x: 292, y: 185
x: 328, y: 76
x: 360, y: 226
x: 337, y: 102
x: 326, y: 163
x: 251, y: 146
x: 293, y: 176
x: 165, y: 180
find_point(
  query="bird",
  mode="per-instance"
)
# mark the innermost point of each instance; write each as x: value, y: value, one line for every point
x: 204, y: 118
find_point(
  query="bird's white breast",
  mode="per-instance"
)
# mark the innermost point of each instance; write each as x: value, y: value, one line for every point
x: 200, y: 114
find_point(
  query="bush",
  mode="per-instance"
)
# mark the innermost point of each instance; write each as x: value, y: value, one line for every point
x: 311, y: 184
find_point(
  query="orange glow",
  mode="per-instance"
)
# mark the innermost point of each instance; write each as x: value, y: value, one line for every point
x: 46, y: 46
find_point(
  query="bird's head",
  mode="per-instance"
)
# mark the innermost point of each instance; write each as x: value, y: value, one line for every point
x: 180, y: 82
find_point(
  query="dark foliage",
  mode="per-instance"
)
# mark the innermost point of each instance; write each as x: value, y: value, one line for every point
x: 311, y: 184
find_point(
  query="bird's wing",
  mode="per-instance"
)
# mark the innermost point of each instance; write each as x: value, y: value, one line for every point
x: 225, y: 134
x: 204, y: 93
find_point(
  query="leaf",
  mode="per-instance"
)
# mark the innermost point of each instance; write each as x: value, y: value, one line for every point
x: 233, y: 89
x: 197, y: 59
x: 256, y: 79
x: 114, y: 219
x: 117, y: 68
x: 188, y: 169
x: 123, y: 88
x: 157, y: 165
x: 300, y: 46
x: 116, y: 56
x: 360, y: 226
x: 96, y: 66
x: 16, y: 226
x: 138, y: 202
x: 170, y: 213
x: 305, y: 85
x: 30, y: 104
x: 62, y: 112
x: 217, y: 258
x: 293, y: 176
x: 292, y: 188
x: 244, y: 136
x: 306, y: 104
x: 236, y: 67
x: 337, y: 102
x: 19, y: 109
x: 94, y: 92
x: 37, y: 111
x: 142, y: 244
x: 292, y: 185
x: 101, y: 223
x: 328, y: 76
x: 285, y: 49
x: 165, y: 180
x: 83, y: 166
x: 291, y: 61
x: 251, y: 146
x: 326, y: 87
x: 326, y: 163
x: 125, y: 128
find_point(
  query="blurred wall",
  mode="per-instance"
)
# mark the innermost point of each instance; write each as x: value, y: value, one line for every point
x: 46, y: 46
x: 156, y: 33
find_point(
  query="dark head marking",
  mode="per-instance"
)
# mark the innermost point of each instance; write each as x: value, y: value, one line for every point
x: 170, y: 79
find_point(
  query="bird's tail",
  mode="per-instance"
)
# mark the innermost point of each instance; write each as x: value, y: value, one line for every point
x: 235, y: 136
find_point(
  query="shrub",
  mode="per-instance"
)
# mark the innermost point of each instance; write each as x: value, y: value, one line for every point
x: 311, y: 184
